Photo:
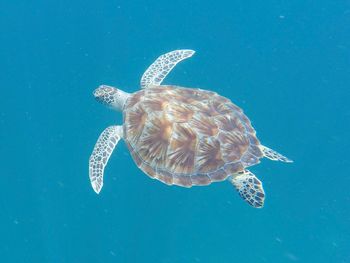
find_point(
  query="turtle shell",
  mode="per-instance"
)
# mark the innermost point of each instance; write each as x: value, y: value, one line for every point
x: 188, y: 137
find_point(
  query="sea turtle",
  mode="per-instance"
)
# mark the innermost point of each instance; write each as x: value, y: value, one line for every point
x: 181, y: 136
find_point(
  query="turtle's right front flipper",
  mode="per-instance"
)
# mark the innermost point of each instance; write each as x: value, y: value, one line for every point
x: 101, y: 153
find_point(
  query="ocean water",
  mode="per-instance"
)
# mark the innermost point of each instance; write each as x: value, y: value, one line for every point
x: 286, y: 63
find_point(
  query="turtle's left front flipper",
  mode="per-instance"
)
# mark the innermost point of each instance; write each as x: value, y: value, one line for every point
x: 102, y: 151
x: 160, y: 68
x: 249, y: 188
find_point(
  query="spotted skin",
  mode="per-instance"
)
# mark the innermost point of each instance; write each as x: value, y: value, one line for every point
x: 187, y: 137
x: 102, y: 152
x: 160, y: 68
x: 249, y: 188
x: 105, y: 94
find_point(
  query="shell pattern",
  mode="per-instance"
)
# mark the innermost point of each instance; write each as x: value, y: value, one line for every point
x: 188, y: 137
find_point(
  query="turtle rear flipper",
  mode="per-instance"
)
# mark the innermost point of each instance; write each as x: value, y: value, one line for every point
x: 249, y: 188
x: 273, y: 155
x: 102, y: 151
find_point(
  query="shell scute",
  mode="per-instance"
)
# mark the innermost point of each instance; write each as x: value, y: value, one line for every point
x: 209, y: 156
x: 182, y: 150
x: 155, y: 103
x: 256, y: 151
x: 165, y: 177
x: 191, y: 95
x: 229, y: 122
x: 135, y: 123
x: 136, y: 158
x: 154, y: 142
x: 182, y: 180
x: 232, y: 168
x: 200, y: 179
x: 135, y: 98
x: 249, y: 159
x: 148, y: 170
x: 179, y: 112
x: 204, y: 125
x: 218, y: 175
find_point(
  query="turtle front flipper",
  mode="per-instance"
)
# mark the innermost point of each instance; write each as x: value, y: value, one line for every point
x: 273, y: 155
x: 160, y: 68
x: 249, y: 188
x: 102, y: 151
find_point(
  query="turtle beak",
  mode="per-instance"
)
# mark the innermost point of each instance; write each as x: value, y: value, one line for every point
x: 96, y: 93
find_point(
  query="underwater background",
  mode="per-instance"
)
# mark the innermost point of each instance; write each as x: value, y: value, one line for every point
x: 286, y: 63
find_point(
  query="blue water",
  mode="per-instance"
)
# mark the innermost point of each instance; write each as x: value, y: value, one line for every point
x: 286, y: 63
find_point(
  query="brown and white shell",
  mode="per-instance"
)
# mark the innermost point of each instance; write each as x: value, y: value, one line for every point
x: 188, y: 137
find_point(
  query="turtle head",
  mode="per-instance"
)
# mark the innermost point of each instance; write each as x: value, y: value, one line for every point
x: 112, y: 97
